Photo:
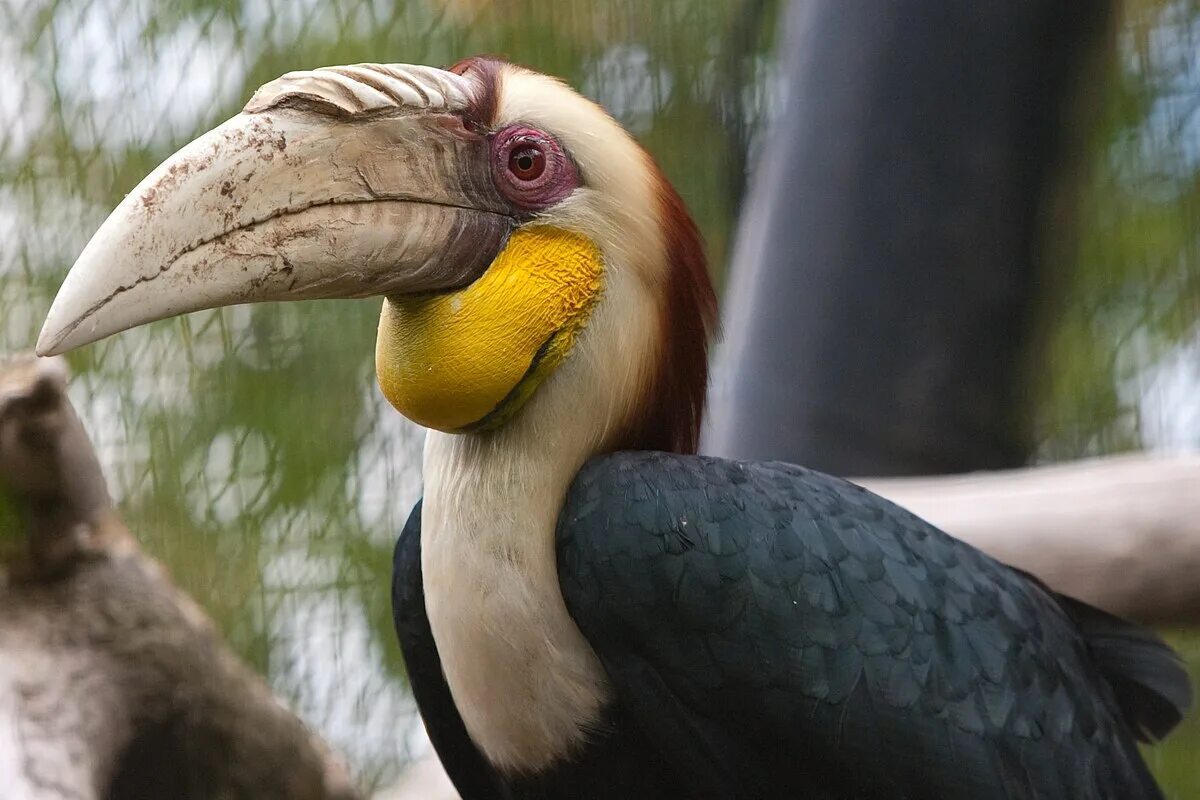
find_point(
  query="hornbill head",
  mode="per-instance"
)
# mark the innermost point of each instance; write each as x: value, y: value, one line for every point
x: 512, y: 226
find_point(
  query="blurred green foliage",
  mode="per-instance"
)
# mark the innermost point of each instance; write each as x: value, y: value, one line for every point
x: 249, y: 448
x: 1125, y: 353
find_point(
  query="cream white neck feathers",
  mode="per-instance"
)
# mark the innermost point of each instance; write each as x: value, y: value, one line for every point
x: 525, y: 681
x: 527, y: 684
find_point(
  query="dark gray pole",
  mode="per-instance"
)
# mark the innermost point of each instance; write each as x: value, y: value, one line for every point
x: 893, y: 255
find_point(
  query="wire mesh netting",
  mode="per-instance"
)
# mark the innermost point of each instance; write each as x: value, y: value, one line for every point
x: 249, y: 448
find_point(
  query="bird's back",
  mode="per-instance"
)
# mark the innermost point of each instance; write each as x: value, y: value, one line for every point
x: 853, y: 645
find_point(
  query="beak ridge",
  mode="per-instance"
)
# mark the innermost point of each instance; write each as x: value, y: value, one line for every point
x: 364, y: 88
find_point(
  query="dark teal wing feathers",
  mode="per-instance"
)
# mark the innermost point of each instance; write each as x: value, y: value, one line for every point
x: 856, y: 650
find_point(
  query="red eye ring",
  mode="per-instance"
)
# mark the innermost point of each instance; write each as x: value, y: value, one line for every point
x: 527, y: 162
x: 530, y: 168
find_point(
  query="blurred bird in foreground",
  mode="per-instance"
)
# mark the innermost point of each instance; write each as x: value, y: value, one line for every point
x: 113, y: 683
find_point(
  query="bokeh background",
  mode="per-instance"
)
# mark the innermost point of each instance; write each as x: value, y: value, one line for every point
x: 249, y: 448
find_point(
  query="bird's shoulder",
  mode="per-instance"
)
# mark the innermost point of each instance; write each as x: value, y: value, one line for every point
x: 774, y: 582
x: 798, y: 561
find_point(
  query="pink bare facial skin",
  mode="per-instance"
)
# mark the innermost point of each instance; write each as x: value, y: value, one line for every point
x: 530, y: 168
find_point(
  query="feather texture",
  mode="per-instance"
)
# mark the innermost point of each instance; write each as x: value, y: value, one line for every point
x: 770, y: 631
x: 864, y: 652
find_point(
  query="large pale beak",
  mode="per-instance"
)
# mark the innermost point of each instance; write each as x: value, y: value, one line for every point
x: 340, y: 182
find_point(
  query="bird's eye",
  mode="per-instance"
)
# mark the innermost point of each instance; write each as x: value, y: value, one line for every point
x: 527, y: 163
x: 530, y: 168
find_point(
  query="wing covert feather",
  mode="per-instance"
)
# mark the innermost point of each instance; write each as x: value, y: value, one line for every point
x: 840, y: 632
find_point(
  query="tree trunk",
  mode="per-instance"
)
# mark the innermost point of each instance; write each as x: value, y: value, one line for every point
x: 900, y: 235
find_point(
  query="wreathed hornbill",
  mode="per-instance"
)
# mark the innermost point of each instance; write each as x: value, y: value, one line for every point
x: 588, y: 609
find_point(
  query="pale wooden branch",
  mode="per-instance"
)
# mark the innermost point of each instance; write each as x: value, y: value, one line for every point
x: 114, y: 685
x: 1122, y: 533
